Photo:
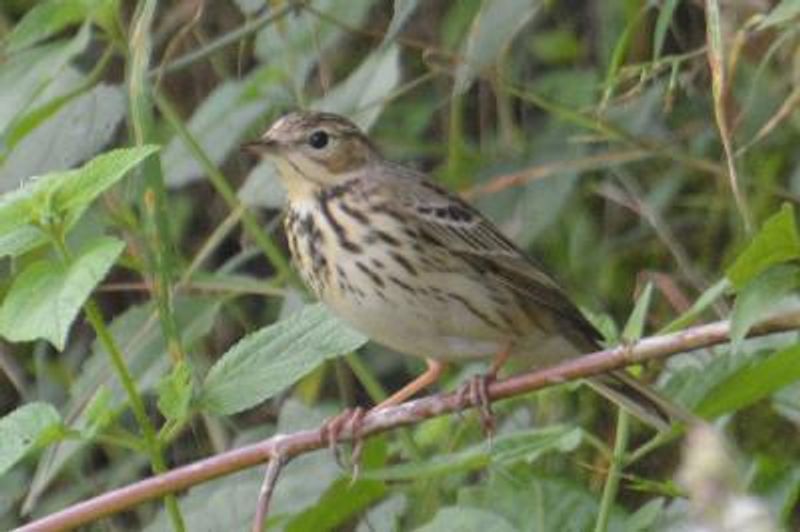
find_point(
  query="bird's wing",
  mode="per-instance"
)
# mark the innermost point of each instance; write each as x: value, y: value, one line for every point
x: 447, y: 222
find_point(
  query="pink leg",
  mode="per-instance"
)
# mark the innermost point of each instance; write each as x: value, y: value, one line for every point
x: 431, y: 375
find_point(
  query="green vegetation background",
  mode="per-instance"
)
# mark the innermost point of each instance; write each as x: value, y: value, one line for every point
x: 646, y: 152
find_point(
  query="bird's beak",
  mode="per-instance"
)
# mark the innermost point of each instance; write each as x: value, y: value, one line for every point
x: 262, y: 146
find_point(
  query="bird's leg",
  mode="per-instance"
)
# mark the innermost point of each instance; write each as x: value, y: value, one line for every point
x: 476, y: 389
x: 431, y: 375
x: 352, y: 418
x: 499, y: 361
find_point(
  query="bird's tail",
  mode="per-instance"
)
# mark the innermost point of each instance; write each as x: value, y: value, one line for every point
x: 640, y: 400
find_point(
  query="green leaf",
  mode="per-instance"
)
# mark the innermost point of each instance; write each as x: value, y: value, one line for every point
x: 530, y: 210
x: 619, y: 52
x: 527, y: 446
x: 782, y: 13
x: 175, y: 392
x: 217, y: 124
x: 100, y: 413
x: 776, y: 242
x: 273, y: 358
x: 466, y: 519
x: 363, y: 95
x: 385, y: 516
x: 80, y: 187
x: 138, y: 333
x: 25, y: 429
x: 557, y: 47
x: 25, y: 75
x: 493, y: 29
x: 530, y: 445
x: 706, y: 299
x: 665, y: 14
x: 776, y: 480
x: 262, y: 188
x: 136, y: 330
x: 294, y: 44
x: 634, y: 328
x: 340, y: 502
x: 54, y: 120
x: 759, y: 297
x: 44, y: 20
x: 347, y: 496
x: 691, y: 377
x: 46, y: 297
x: 60, y: 197
x: 646, y: 517
x: 525, y: 497
x: 752, y: 382
x: 443, y: 465
x: 18, y: 240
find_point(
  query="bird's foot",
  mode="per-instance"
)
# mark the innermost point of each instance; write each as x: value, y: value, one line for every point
x: 476, y: 390
x: 350, y: 421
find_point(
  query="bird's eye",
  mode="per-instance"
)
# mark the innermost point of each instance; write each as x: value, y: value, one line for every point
x: 318, y: 139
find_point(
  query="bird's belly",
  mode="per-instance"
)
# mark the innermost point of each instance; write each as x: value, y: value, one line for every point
x: 413, y: 315
x: 415, y: 329
x: 420, y: 332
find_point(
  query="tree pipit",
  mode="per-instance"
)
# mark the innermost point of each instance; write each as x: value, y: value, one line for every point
x: 417, y: 269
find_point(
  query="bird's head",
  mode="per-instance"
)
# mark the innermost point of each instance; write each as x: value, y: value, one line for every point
x: 314, y: 150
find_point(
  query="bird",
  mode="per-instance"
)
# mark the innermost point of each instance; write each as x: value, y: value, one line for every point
x: 419, y: 270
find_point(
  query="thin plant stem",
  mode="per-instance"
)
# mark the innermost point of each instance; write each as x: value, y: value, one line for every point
x: 611, y: 487
x: 570, y: 115
x: 613, y: 132
x: 224, y: 189
x: 657, y: 441
x: 157, y: 462
x: 720, y: 91
x: 229, y: 38
x: 96, y: 320
x: 373, y: 387
x: 598, y: 444
x: 267, y: 488
x: 160, y: 249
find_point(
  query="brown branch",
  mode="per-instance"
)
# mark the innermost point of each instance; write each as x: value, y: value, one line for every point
x: 286, y: 446
x: 274, y: 468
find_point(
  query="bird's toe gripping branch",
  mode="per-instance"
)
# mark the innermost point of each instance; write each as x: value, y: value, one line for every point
x: 347, y: 423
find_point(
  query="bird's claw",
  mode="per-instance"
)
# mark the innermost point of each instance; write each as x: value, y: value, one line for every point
x: 349, y: 421
x: 476, y: 390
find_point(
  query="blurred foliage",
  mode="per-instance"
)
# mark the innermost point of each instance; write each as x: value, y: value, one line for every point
x: 627, y: 144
